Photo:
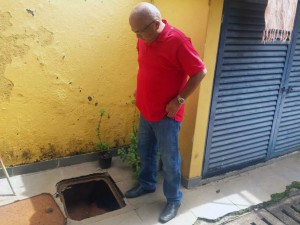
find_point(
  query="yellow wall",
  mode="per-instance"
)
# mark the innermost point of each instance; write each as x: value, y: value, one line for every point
x: 205, y: 94
x: 201, y: 21
x: 60, y: 62
x: 191, y: 18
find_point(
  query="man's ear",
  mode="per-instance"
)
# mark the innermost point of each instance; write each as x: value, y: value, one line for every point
x: 157, y: 24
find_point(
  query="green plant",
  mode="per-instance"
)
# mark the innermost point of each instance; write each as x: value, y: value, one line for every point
x: 101, y: 145
x: 130, y: 154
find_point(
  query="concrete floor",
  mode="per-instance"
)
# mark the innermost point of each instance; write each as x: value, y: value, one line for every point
x: 209, y: 201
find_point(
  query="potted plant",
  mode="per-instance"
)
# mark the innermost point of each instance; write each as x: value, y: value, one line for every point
x: 105, y: 155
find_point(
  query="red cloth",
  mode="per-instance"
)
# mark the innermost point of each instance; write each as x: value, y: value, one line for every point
x: 163, y: 68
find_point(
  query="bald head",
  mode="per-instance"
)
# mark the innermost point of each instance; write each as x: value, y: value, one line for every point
x: 146, y: 22
x: 145, y: 12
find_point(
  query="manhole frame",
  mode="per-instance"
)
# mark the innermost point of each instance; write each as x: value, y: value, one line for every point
x: 63, y: 185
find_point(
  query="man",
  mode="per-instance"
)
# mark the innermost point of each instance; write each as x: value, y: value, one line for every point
x: 166, y: 58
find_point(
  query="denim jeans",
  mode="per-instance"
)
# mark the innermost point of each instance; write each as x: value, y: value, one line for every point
x: 162, y: 135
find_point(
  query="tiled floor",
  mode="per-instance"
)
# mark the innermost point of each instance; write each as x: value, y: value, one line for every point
x: 209, y: 201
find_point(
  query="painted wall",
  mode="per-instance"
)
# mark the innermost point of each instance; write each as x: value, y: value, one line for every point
x: 200, y: 20
x: 191, y: 17
x: 60, y: 62
x: 205, y: 94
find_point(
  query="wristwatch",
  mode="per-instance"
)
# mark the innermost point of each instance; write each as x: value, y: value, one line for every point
x: 180, y: 99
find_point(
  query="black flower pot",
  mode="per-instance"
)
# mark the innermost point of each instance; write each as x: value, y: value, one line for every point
x: 105, y: 159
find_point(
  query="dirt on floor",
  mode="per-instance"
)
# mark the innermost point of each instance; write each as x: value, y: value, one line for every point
x: 282, y: 209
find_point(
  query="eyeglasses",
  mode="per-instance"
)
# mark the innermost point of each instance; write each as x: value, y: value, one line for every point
x: 144, y: 29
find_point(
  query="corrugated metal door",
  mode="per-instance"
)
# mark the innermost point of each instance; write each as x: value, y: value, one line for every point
x: 287, y: 130
x: 248, y: 90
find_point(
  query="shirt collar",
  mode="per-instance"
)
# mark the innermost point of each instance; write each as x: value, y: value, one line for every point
x: 162, y: 36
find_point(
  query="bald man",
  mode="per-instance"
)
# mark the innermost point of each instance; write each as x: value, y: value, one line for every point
x: 170, y: 69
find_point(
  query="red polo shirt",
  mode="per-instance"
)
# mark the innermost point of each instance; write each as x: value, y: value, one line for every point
x: 164, y: 66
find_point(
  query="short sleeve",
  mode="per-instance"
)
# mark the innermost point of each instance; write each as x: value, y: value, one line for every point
x: 189, y: 58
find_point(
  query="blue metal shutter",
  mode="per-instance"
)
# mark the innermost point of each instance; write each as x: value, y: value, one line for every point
x: 287, y: 132
x: 246, y: 96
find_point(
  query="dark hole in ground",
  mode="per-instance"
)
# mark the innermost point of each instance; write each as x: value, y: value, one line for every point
x: 89, y: 196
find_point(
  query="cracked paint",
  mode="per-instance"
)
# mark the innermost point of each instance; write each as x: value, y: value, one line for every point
x: 60, y: 62
x: 16, y: 45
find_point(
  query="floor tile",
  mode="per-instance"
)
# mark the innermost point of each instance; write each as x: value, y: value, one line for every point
x: 124, y: 219
x: 127, y: 210
x: 149, y: 213
x: 214, y: 209
x: 79, y: 170
x: 209, y: 201
x: 5, y: 189
x: 148, y: 198
x: 184, y: 218
x: 119, y: 170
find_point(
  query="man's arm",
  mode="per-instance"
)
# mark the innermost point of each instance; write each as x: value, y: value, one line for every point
x: 173, y: 106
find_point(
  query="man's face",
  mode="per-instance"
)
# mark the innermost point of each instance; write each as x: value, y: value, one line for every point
x: 144, y: 29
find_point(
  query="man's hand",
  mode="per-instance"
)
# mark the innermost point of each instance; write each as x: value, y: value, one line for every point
x: 172, y: 107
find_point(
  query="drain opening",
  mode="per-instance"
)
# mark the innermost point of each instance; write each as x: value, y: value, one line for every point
x: 89, y: 196
x: 296, y: 209
x: 266, y: 221
x: 291, y: 216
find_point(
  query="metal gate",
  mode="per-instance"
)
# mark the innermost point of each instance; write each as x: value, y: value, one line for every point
x: 287, y: 130
x: 255, y: 101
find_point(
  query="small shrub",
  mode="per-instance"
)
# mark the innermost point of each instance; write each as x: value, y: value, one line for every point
x: 130, y: 154
x: 101, y: 145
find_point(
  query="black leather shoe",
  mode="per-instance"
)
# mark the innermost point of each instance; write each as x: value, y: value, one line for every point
x: 137, y: 191
x: 169, y: 212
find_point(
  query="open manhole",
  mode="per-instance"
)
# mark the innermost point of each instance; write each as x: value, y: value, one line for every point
x: 89, y: 196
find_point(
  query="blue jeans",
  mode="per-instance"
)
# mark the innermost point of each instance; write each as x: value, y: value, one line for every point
x: 162, y: 135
